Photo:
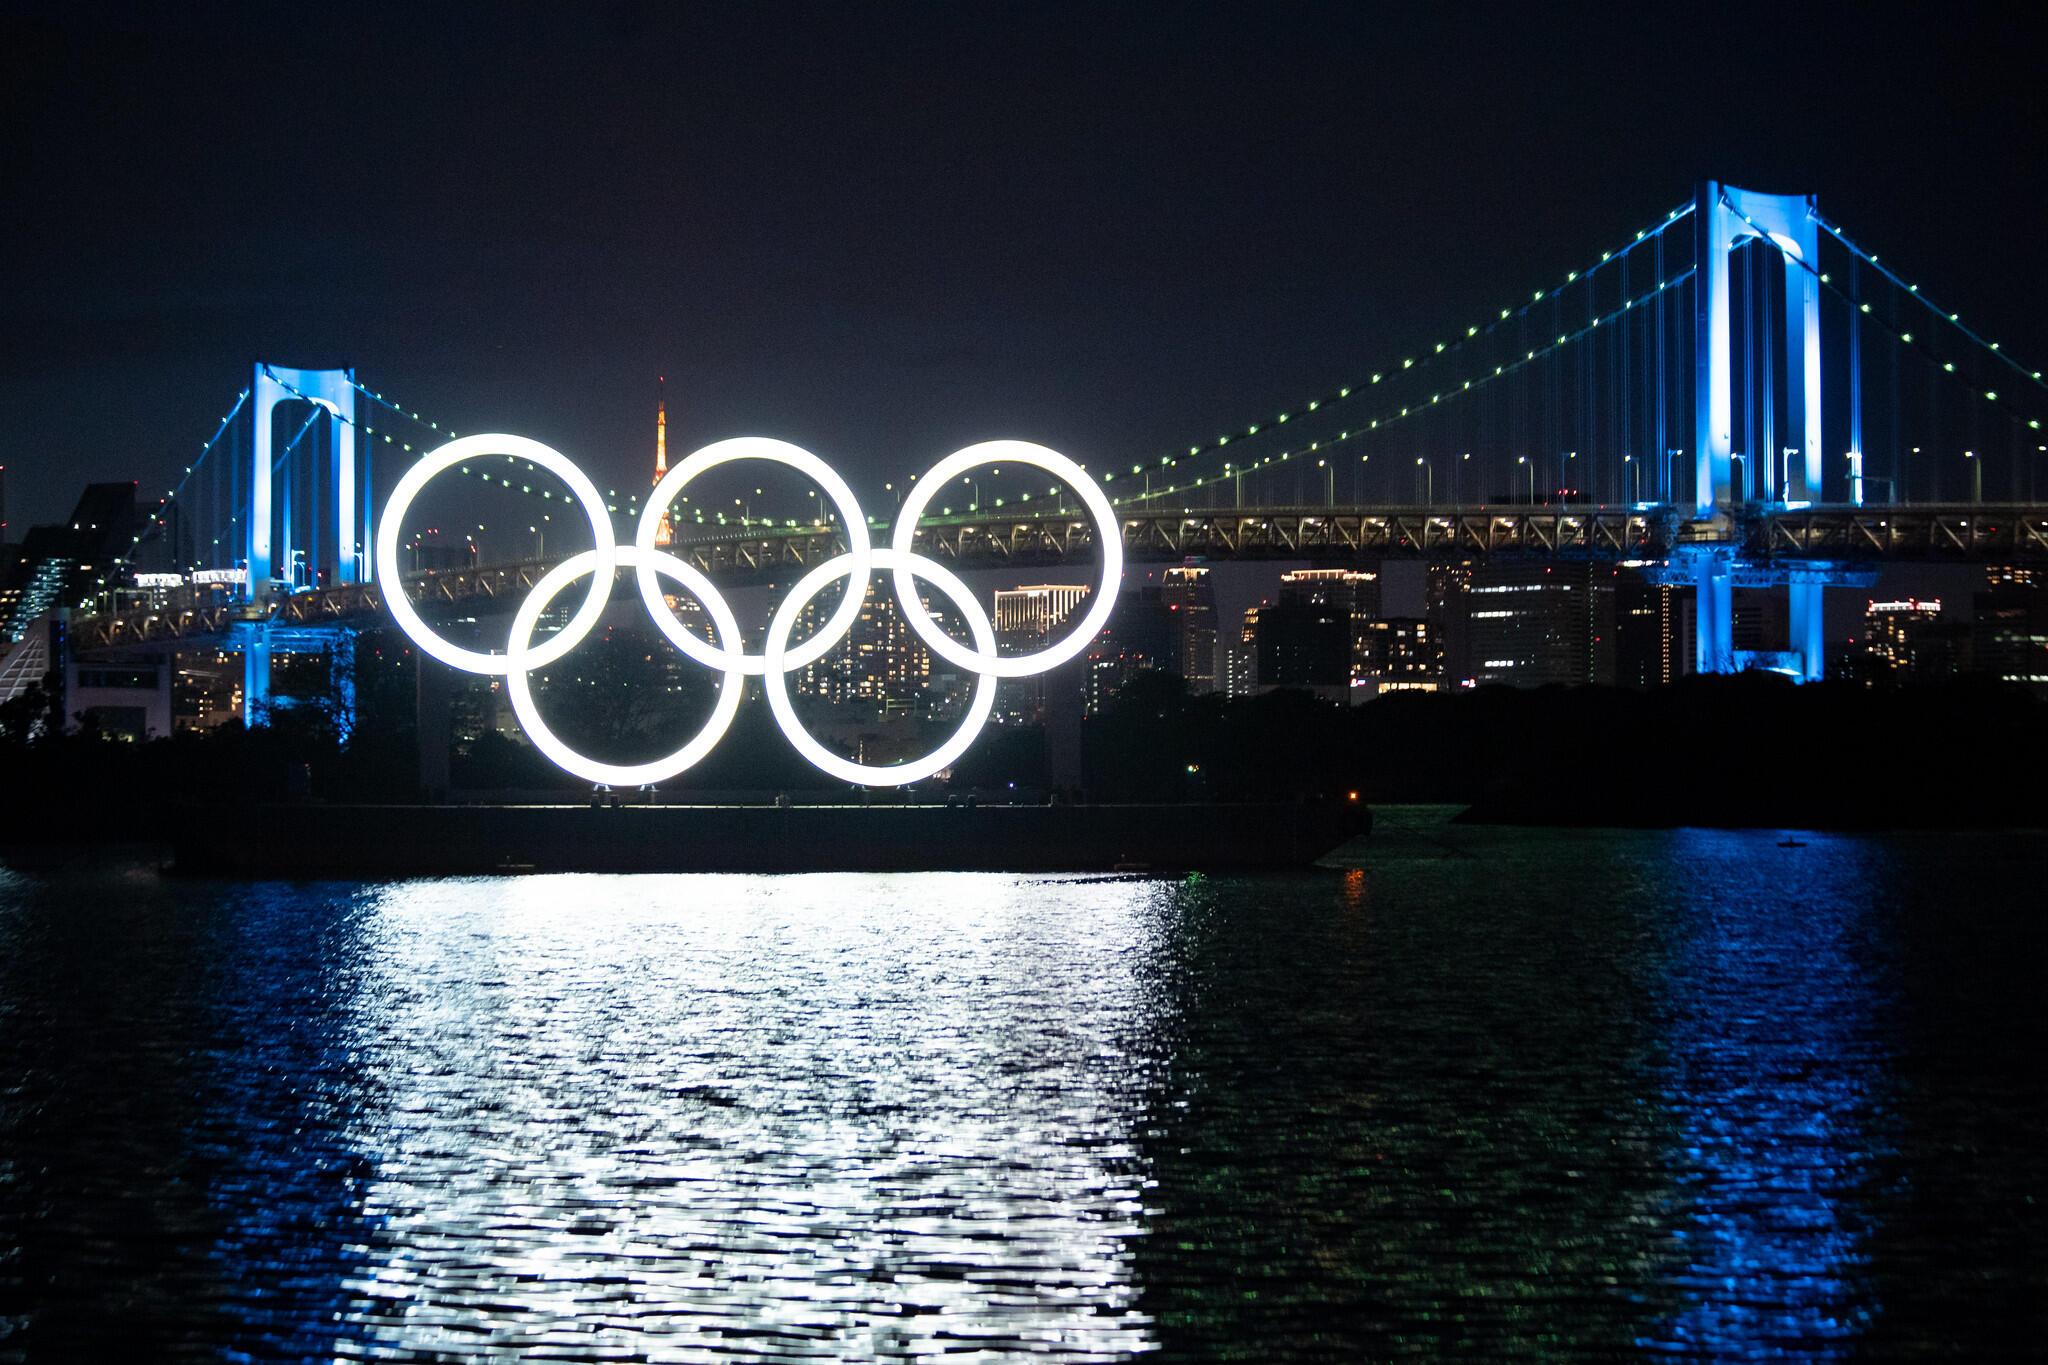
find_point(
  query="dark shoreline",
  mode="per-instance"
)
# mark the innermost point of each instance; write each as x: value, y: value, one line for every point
x: 449, y: 840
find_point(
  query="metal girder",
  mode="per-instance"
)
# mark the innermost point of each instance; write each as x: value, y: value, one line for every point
x: 1770, y: 540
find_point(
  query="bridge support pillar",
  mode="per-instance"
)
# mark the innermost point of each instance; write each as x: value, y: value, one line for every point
x: 1714, y: 614
x: 256, y: 673
x: 1808, y: 637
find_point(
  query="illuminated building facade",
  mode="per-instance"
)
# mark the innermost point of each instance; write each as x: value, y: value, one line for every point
x: 1023, y: 619
x: 1402, y: 655
x: 61, y: 565
x: 1241, y: 657
x: 1529, y: 623
x: 2009, y: 627
x: 1190, y: 600
x: 1653, y: 632
x: 1895, y: 634
x: 881, y: 663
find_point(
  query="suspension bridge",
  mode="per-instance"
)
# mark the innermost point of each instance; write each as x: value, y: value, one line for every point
x: 1738, y: 395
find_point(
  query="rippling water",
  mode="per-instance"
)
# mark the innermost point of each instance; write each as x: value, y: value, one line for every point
x: 1491, y: 1094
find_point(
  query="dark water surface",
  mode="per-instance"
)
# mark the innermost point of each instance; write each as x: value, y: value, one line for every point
x: 1491, y: 1094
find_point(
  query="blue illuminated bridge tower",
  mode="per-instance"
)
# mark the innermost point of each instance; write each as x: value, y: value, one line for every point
x: 1724, y: 217
x: 285, y: 547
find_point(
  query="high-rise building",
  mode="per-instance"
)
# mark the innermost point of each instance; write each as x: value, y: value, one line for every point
x: 1354, y: 592
x: 57, y: 566
x: 1024, y: 617
x: 1190, y: 600
x: 1654, y: 631
x: 1304, y: 643
x: 1139, y: 637
x: 1532, y: 622
x: 1402, y: 655
x: 1444, y: 607
x: 880, y: 662
x: 1893, y: 634
x: 2009, y: 627
x: 1241, y: 657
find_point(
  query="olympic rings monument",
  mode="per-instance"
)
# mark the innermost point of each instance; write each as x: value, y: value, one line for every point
x: 868, y: 836
x: 778, y: 657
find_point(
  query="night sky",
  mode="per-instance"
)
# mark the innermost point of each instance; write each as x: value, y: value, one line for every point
x: 885, y: 231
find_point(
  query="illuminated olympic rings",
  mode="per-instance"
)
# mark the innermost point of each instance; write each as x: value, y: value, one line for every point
x: 778, y: 657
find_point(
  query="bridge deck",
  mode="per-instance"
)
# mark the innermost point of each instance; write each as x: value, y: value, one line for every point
x: 1759, y: 534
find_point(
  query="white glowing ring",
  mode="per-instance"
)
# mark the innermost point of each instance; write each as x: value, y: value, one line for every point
x: 1108, y: 535
x: 779, y: 452
x: 518, y: 683
x: 471, y: 448
x: 777, y: 680
x: 778, y: 658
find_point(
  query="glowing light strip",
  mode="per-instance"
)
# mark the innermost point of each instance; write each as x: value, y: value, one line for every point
x: 1417, y: 409
x: 1952, y: 319
x: 1444, y: 349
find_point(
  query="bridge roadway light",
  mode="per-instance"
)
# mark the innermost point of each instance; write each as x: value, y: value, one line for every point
x: 1428, y: 481
x: 1976, y: 476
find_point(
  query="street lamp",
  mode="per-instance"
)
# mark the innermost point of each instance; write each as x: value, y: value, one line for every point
x: 1428, y: 482
x: 1568, y: 476
x: 1628, y: 478
x: 1454, y: 478
x: 1976, y: 476
x: 1524, y: 460
x: 1785, y: 454
x: 1330, y: 490
x: 1670, y: 485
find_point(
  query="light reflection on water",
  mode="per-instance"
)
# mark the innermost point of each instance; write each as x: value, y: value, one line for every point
x: 1490, y: 1094
x: 1783, y: 1012
x: 856, y: 1116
